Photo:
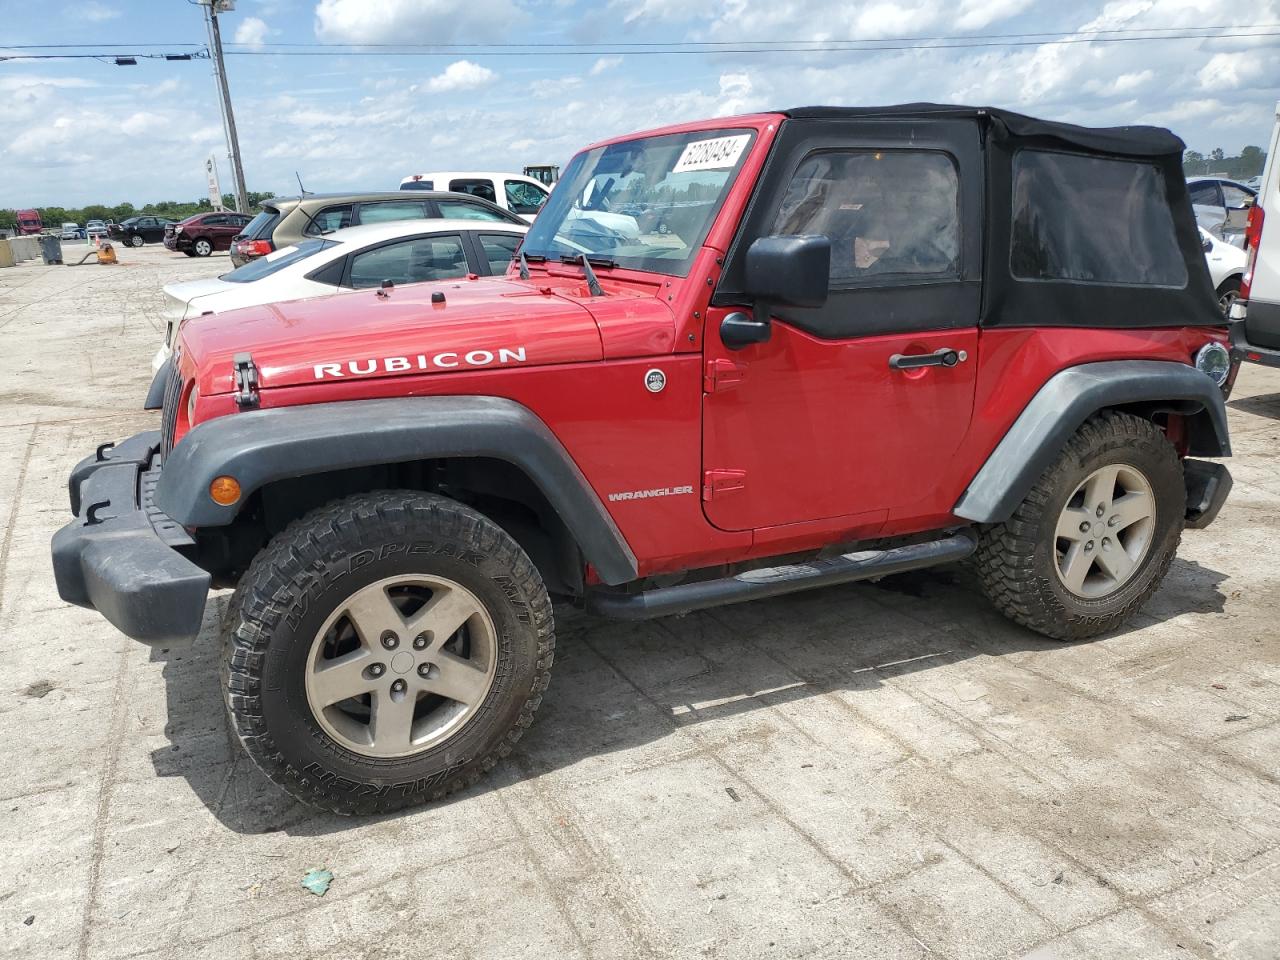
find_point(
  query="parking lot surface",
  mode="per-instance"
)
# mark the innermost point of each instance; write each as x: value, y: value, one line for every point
x: 888, y: 770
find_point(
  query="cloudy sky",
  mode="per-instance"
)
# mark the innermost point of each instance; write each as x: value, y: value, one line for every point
x: 82, y: 131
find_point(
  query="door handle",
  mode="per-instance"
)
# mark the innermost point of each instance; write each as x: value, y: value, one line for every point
x: 945, y: 357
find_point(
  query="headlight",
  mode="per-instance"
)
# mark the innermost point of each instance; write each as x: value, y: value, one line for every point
x: 191, y: 405
x: 1214, y: 360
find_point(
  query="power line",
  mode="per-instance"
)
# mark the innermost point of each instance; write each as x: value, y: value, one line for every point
x: 1208, y: 32
x: 201, y: 54
x: 678, y: 50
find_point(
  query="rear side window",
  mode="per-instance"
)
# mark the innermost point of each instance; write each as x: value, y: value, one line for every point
x: 1092, y: 220
x: 461, y: 210
x: 886, y: 212
x: 277, y: 261
x: 499, y: 248
x: 410, y: 261
x: 1204, y: 194
x: 477, y: 188
x: 260, y: 227
x: 390, y: 211
x: 328, y: 220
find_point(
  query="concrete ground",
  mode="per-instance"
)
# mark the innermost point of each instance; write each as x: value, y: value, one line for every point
x: 867, y: 771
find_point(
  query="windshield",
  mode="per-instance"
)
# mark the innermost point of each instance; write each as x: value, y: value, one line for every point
x: 645, y: 204
x: 273, y: 262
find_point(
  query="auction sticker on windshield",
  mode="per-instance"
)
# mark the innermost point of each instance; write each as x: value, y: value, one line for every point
x: 714, y: 154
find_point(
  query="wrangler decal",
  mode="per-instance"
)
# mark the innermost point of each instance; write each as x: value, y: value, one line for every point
x: 646, y: 494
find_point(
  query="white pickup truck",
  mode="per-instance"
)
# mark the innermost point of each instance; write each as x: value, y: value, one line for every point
x: 1255, y: 334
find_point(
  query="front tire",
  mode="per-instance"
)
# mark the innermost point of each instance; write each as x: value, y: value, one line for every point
x: 386, y: 650
x: 202, y: 247
x: 1095, y: 536
x: 136, y: 241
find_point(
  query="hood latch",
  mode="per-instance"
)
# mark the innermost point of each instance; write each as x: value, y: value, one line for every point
x: 246, y: 378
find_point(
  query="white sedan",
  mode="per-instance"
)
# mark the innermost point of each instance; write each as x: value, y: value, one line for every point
x: 406, y: 251
x: 1226, y: 268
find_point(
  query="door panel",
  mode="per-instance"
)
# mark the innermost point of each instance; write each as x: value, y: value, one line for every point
x: 827, y: 429
x: 815, y: 423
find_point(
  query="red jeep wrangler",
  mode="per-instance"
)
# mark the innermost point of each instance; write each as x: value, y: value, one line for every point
x: 867, y: 341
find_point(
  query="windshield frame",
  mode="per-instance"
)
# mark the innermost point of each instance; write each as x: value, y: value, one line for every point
x: 583, y: 169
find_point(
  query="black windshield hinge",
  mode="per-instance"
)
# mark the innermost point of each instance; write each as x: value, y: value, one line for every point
x: 524, y: 267
x: 592, y: 283
x: 246, y: 375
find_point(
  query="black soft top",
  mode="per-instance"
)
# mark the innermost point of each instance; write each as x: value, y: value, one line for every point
x: 1053, y: 231
x: 1134, y: 141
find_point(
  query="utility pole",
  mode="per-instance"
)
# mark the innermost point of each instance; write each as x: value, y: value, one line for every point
x: 211, y: 9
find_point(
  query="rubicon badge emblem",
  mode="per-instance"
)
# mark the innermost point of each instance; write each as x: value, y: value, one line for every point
x: 655, y: 380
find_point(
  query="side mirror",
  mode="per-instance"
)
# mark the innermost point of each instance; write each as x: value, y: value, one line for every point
x: 788, y: 271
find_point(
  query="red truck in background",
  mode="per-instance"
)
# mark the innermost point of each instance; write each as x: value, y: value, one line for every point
x: 29, y: 222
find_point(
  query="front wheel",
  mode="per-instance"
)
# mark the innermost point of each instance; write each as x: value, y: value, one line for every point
x: 202, y: 247
x: 1094, y: 537
x: 385, y: 650
x: 136, y: 241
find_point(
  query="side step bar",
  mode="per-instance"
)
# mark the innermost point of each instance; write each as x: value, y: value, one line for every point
x: 776, y: 581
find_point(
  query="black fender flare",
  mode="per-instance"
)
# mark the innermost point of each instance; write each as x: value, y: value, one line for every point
x: 258, y: 447
x: 1067, y: 400
x: 155, y: 392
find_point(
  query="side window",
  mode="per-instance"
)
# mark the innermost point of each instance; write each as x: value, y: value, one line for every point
x: 461, y: 210
x: 499, y: 248
x: 391, y: 210
x: 477, y: 188
x: 1092, y: 220
x: 886, y: 212
x: 1236, y: 198
x: 524, y: 197
x: 328, y: 220
x: 217, y: 220
x: 1205, y: 194
x: 410, y: 261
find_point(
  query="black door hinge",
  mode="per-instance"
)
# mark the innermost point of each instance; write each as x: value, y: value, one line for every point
x: 246, y: 375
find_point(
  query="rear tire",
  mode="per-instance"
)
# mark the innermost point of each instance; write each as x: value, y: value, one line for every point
x: 319, y: 625
x: 1043, y: 569
x: 1228, y: 293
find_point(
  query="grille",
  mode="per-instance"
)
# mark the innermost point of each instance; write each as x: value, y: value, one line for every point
x: 169, y: 415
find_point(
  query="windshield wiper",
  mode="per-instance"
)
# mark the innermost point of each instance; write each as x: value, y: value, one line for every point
x: 586, y: 260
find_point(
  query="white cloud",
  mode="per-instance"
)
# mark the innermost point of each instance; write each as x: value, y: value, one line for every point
x: 603, y: 64
x: 97, y: 12
x: 425, y: 21
x: 976, y: 14
x: 252, y: 32
x: 461, y: 75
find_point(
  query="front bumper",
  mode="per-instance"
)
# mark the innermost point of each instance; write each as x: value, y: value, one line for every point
x: 120, y: 555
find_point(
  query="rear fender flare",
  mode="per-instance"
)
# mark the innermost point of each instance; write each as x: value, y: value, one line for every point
x: 259, y: 447
x: 1067, y: 400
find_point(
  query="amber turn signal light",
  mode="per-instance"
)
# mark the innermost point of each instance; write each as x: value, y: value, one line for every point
x: 224, y: 490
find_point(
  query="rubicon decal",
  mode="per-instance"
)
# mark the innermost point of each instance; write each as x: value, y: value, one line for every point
x: 646, y: 494
x: 445, y: 360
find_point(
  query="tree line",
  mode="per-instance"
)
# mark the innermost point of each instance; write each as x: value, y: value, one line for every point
x: 1248, y: 164
x: 54, y: 217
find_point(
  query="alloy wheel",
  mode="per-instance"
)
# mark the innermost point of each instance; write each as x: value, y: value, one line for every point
x: 1104, y: 531
x: 401, y: 665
